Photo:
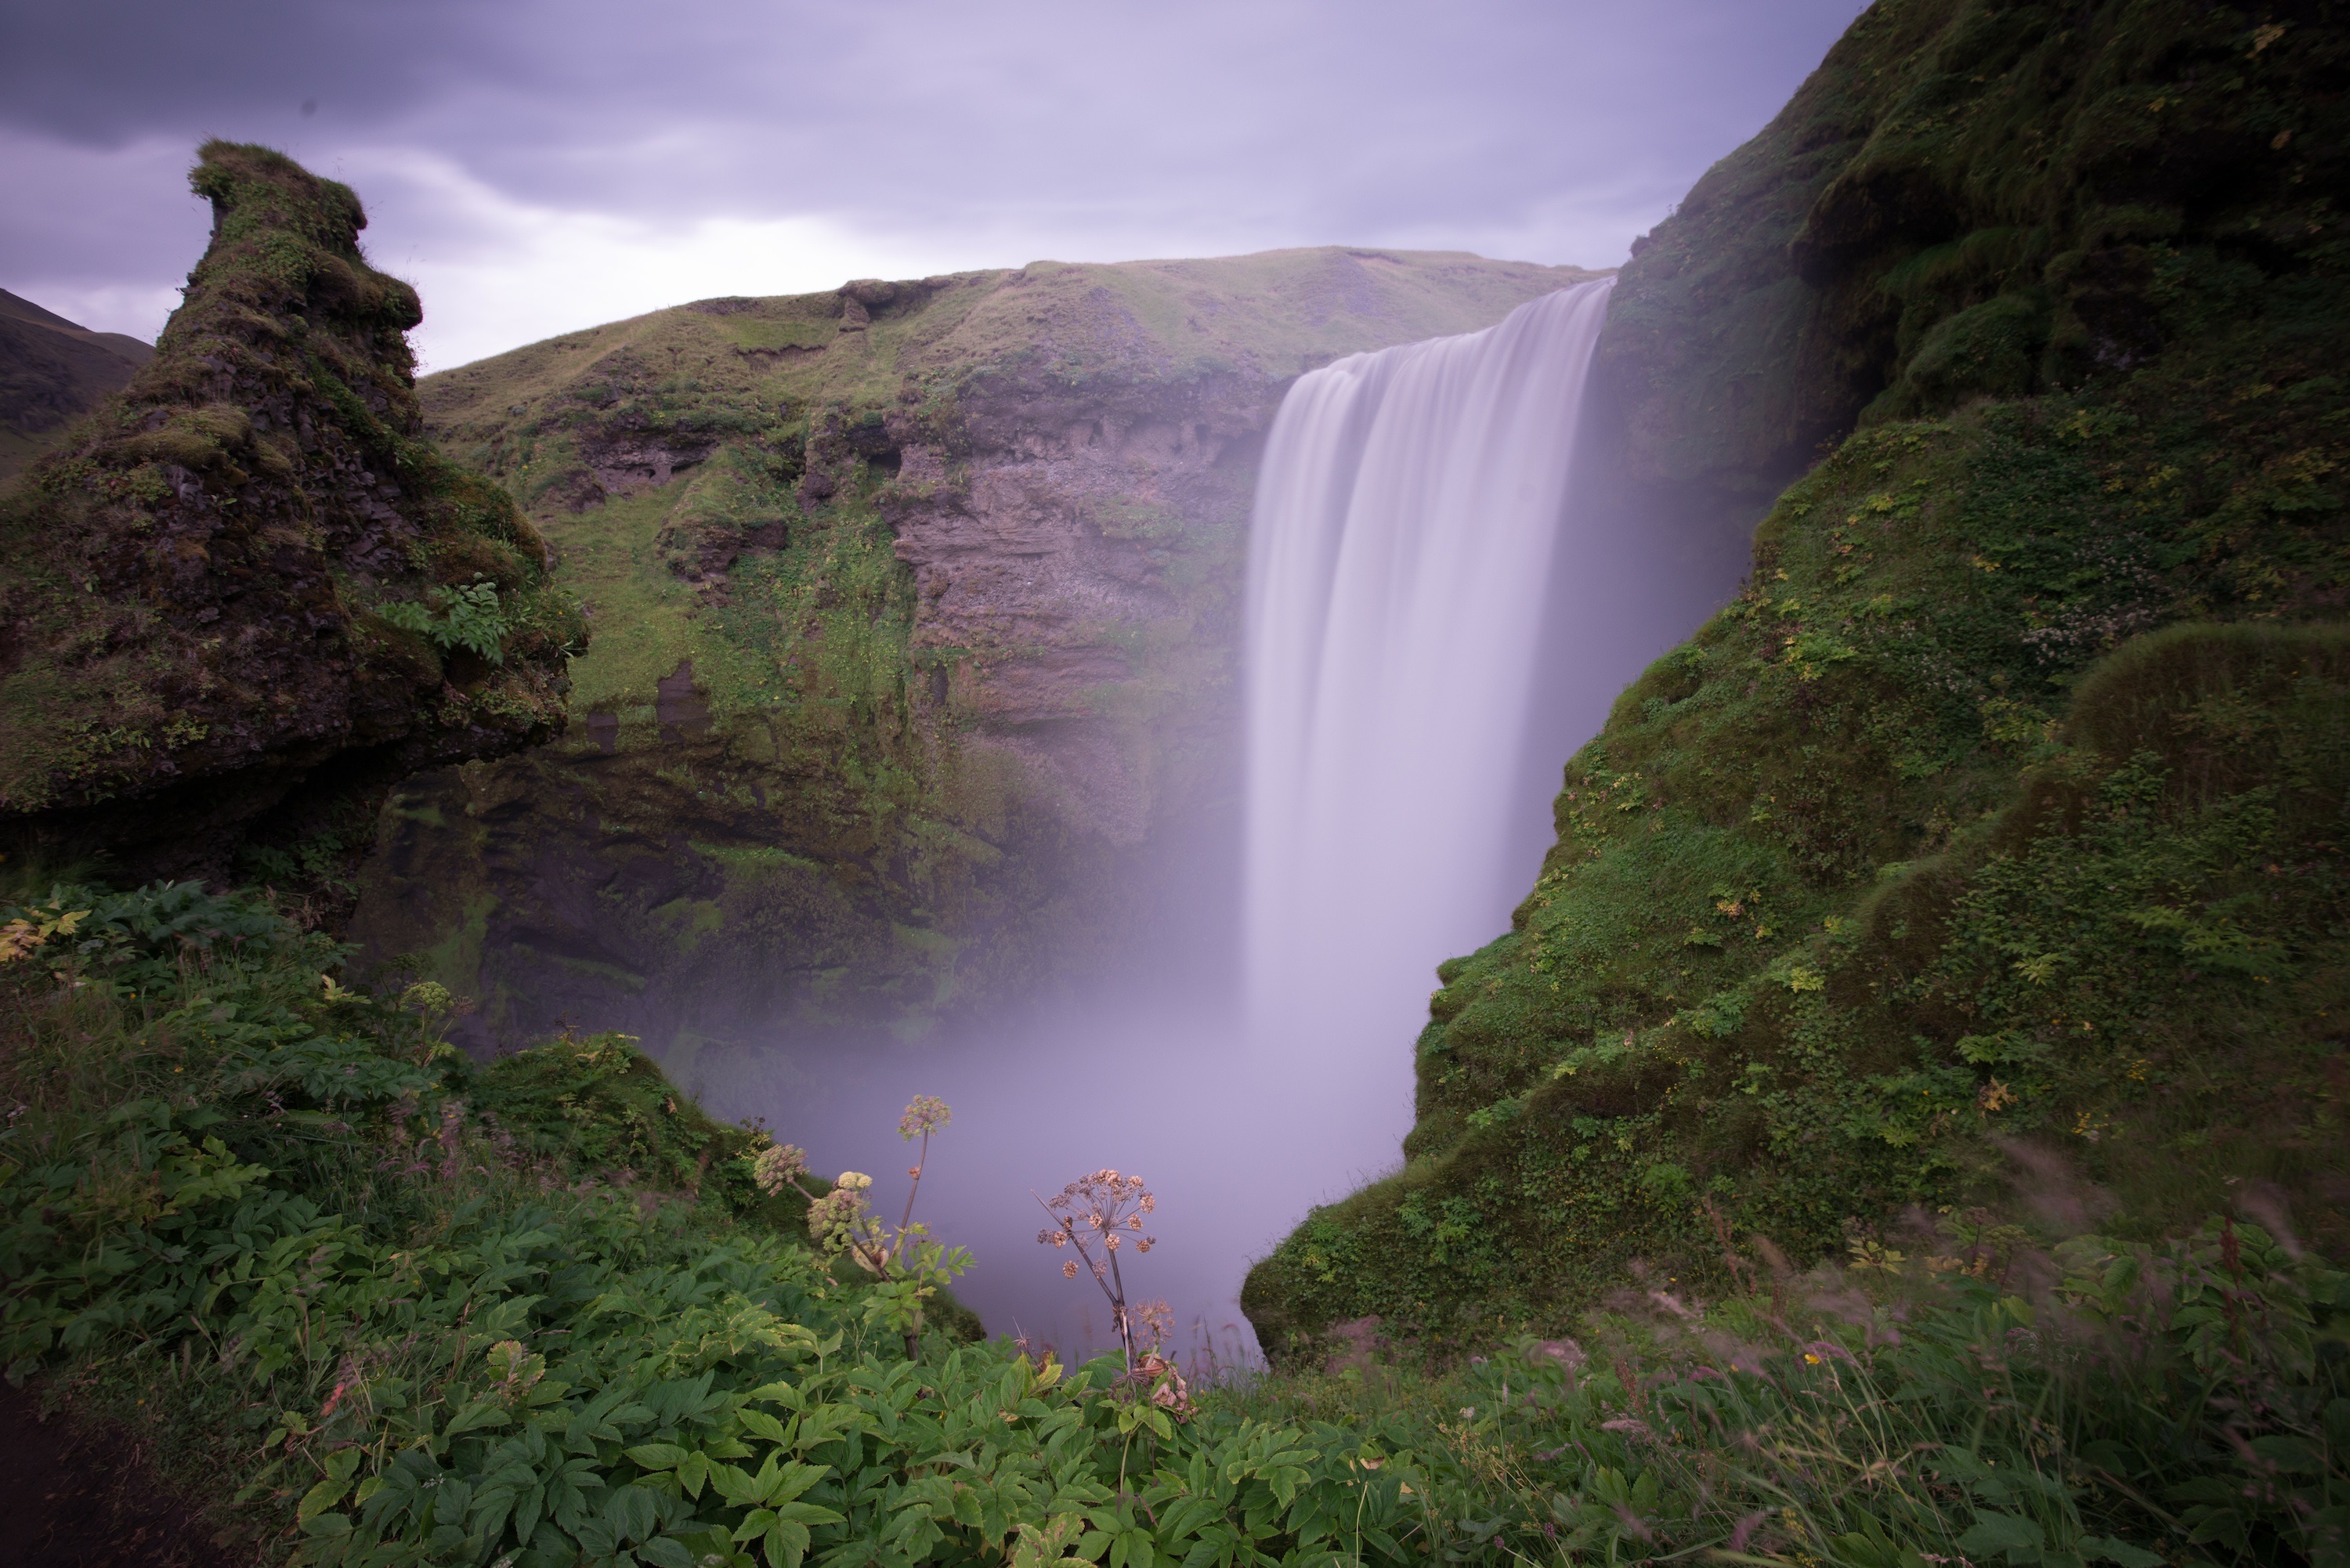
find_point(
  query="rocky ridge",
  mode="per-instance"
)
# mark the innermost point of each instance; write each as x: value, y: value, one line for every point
x: 52, y: 371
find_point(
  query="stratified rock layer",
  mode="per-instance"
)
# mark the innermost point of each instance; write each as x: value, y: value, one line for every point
x: 244, y: 595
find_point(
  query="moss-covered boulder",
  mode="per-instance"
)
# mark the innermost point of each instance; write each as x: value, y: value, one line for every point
x: 244, y: 595
x: 2001, y: 817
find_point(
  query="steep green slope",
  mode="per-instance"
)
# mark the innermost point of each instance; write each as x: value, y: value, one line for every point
x: 1934, y: 856
x: 244, y: 595
x: 915, y: 609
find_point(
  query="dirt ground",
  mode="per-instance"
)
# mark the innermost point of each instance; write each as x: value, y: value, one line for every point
x: 74, y: 1499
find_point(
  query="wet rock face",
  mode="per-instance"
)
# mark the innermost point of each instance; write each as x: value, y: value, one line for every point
x: 1050, y: 549
x: 231, y: 599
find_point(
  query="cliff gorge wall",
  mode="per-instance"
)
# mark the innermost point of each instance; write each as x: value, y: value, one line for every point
x: 915, y: 606
x: 244, y: 595
x: 1998, y: 819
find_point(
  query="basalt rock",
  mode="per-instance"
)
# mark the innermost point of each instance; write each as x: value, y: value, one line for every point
x: 244, y: 595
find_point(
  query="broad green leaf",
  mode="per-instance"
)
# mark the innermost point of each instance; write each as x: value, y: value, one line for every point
x: 658, y: 1456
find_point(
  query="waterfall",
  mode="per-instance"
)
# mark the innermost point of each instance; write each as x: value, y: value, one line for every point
x: 1404, y: 544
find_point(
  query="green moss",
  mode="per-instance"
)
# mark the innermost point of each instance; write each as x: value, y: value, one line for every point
x: 211, y: 575
x: 1972, y: 198
x: 1933, y: 840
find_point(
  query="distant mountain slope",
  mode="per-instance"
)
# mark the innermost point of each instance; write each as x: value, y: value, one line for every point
x: 914, y: 609
x: 52, y: 371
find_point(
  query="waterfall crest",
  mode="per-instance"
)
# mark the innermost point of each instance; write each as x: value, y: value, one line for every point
x: 1404, y: 542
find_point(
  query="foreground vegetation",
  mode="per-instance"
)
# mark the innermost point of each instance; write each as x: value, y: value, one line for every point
x: 547, y: 1312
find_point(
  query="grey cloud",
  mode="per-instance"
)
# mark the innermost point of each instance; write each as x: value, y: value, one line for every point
x: 1084, y: 123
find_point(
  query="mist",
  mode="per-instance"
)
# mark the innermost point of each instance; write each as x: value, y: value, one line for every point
x: 1250, y: 1054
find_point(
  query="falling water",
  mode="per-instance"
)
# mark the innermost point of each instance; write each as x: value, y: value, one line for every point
x: 1408, y: 519
x: 1434, y: 622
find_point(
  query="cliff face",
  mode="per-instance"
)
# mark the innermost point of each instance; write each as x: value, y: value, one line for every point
x: 52, y: 371
x: 2002, y: 811
x: 915, y: 607
x: 1969, y: 200
x: 244, y: 595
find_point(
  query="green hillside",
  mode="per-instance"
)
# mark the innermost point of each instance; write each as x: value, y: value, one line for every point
x: 1988, y: 851
x: 1903, y: 1126
x: 51, y: 372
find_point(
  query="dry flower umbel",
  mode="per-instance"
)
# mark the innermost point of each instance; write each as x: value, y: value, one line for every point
x: 1099, y: 1214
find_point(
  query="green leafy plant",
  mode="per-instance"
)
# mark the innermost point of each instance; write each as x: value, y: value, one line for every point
x: 466, y: 617
x: 909, y: 1268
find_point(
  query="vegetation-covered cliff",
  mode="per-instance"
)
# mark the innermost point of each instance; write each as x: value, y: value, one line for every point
x: 244, y: 595
x: 1998, y: 825
x: 915, y: 609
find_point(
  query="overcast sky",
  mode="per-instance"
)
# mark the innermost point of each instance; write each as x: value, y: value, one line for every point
x: 538, y: 165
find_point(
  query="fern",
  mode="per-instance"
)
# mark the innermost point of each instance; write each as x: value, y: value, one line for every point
x: 468, y: 618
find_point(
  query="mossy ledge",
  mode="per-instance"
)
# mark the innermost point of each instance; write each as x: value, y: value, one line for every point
x: 243, y: 597
x: 1995, y: 832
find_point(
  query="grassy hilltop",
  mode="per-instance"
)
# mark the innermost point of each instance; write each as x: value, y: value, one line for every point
x: 1997, y: 828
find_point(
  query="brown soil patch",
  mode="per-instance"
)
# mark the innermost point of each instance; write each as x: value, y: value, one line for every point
x: 77, y: 1498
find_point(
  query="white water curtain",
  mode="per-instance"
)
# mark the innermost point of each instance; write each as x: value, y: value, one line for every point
x: 1403, y: 548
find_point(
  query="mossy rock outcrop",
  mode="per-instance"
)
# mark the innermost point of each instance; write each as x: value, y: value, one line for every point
x: 2001, y: 818
x: 1970, y: 199
x: 244, y: 595
x: 916, y: 624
